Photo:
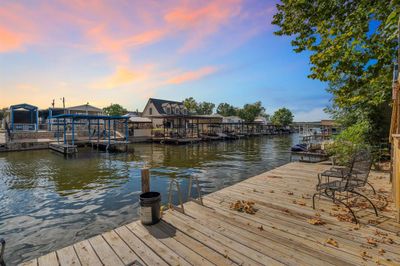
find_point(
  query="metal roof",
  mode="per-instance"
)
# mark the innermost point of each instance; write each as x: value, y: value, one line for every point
x: 91, y: 117
x: 84, y: 107
x: 23, y: 106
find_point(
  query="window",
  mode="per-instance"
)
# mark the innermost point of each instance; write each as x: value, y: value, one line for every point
x: 168, y: 110
x: 151, y: 111
x: 177, y: 110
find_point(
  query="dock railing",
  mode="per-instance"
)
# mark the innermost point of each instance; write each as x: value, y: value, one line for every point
x: 396, y: 174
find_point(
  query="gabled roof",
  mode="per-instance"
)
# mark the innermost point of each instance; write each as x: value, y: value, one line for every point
x: 158, y: 103
x: 23, y: 106
x: 85, y: 107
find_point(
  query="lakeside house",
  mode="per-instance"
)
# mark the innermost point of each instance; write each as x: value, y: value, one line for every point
x: 85, y: 109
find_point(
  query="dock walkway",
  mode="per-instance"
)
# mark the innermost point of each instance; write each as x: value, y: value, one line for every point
x: 279, y: 233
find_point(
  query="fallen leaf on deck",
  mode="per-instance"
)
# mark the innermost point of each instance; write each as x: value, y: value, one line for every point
x: 372, y: 241
x: 343, y: 217
x: 382, y: 251
x: 271, y: 191
x: 357, y: 227
x: 365, y: 255
x: 290, y: 193
x: 274, y: 176
x: 261, y: 228
x: 380, y: 233
x: 243, y: 206
x: 332, y: 242
x: 388, y: 240
x: 316, y: 221
x: 373, y: 222
x: 301, y: 203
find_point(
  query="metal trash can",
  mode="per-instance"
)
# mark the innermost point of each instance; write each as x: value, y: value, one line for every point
x: 150, y: 208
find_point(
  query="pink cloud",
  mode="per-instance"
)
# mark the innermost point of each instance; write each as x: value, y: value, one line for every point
x: 192, y: 75
x: 201, y: 22
x: 118, y: 47
x: 10, y: 41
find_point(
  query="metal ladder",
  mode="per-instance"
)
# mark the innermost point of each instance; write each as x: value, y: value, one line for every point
x: 175, y: 182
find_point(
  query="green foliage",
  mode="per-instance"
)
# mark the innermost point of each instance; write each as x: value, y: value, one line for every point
x: 115, y: 109
x: 282, y: 117
x: 353, y: 46
x: 198, y: 108
x: 3, y: 113
x: 349, y: 141
x: 225, y: 109
x: 205, y: 108
x: 191, y: 105
x: 249, y: 112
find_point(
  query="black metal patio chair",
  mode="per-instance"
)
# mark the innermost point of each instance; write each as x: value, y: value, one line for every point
x: 351, y: 179
x: 359, y: 165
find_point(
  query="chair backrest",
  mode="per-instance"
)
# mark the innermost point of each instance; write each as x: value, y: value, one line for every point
x: 361, y: 166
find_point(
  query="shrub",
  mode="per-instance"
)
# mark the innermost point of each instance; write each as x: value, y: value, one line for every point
x: 348, y: 142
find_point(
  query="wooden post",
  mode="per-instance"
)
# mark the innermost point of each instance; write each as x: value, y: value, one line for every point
x: 145, y: 180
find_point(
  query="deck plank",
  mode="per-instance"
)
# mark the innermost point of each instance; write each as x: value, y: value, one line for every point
x: 33, y: 262
x: 87, y: 256
x: 105, y: 252
x: 195, y: 245
x: 169, y: 255
x: 127, y: 256
x: 48, y: 260
x: 147, y: 255
x: 67, y: 256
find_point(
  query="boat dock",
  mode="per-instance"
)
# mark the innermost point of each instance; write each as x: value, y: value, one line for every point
x: 282, y: 231
x: 112, y: 145
x: 66, y: 149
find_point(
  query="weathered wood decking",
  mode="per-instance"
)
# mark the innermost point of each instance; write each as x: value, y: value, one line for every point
x: 278, y: 234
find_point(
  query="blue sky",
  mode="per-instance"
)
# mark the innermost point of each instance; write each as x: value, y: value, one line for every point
x: 124, y: 52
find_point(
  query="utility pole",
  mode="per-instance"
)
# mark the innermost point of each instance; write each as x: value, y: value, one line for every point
x: 63, y: 101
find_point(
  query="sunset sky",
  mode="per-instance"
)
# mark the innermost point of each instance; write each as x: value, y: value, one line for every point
x: 126, y: 51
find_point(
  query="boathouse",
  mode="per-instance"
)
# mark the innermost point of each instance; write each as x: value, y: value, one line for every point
x: 23, y: 117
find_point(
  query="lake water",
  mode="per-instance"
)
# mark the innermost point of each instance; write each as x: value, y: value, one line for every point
x: 48, y: 201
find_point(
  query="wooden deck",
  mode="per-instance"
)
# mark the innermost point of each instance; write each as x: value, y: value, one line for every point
x: 279, y: 233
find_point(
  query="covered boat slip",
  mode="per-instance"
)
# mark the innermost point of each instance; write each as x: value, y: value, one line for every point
x: 179, y: 129
x: 103, y: 132
x: 283, y: 230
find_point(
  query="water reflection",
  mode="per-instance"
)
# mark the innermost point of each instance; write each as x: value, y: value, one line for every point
x: 48, y: 202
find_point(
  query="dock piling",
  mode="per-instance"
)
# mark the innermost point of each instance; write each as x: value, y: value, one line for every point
x: 145, y: 180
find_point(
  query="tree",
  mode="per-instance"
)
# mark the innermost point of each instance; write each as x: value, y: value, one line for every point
x: 249, y: 112
x: 115, y: 109
x: 225, y: 109
x: 282, y: 117
x: 191, y: 105
x: 205, y: 108
x: 353, y: 46
x: 3, y: 113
